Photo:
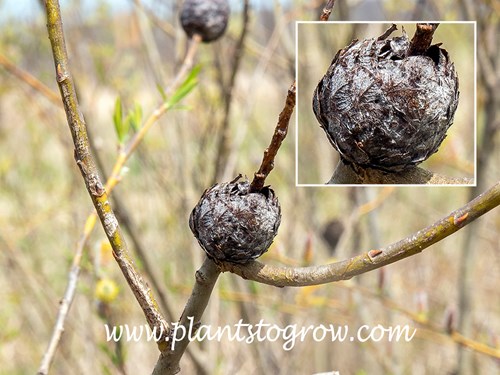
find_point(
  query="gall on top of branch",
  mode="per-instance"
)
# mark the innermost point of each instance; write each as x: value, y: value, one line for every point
x: 206, y: 18
x: 384, y: 108
x: 233, y: 224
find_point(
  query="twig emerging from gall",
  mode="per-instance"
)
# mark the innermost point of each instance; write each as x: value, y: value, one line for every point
x: 279, y: 135
x: 422, y: 38
x: 281, y: 130
x: 388, y: 32
x: 327, y: 10
x: 373, y: 259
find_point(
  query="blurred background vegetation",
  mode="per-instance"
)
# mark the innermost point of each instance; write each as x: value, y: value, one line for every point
x: 128, y: 53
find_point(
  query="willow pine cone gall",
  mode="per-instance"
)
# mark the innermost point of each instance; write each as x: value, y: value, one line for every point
x: 208, y: 18
x: 383, y: 109
x: 233, y: 224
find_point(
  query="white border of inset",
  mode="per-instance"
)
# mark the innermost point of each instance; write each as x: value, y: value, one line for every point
x: 297, y: 23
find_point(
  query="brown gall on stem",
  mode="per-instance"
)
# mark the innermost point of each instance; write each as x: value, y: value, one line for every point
x: 233, y: 224
x: 384, y: 109
x: 206, y: 18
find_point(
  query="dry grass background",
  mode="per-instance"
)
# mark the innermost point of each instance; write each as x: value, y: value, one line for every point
x: 43, y: 206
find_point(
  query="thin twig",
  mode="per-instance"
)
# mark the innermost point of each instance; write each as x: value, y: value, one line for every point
x: 327, y: 10
x: 187, y: 63
x: 373, y: 259
x: 267, y: 56
x: 111, y: 183
x: 166, y: 27
x: 90, y: 174
x: 126, y: 221
x: 279, y: 135
x: 55, y: 99
x: 422, y: 38
x: 223, y: 145
x: 388, y: 32
x: 423, y: 321
x: 281, y: 130
x: 156, y: 283
x: 85, y: 162
x: 64, y: 305
x: 30, y: 80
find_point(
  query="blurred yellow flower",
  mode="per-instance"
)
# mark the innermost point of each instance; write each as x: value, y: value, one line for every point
x: 106, y: 290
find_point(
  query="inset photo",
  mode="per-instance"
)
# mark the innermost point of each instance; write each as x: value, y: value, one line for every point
x: 386, y: 103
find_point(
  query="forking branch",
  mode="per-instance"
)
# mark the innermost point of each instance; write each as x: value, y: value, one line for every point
x: 372, y: 259
x: 90, y: 174
x: 207, y: 275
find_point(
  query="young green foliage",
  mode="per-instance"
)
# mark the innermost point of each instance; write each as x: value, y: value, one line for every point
x: 134, y: 118
x: 120, y: 126
x: 185, y: 88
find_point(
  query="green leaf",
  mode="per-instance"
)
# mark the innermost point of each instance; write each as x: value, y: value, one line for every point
x: 162, y: 92
x: 185, y: 88
x: 118, y: 121
x: 134, y: 118
x: 137, y: 117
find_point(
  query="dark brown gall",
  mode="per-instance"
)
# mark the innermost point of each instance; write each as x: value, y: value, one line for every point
x: 383, y: 109
x: 207, y: 18
x: 233, y: 224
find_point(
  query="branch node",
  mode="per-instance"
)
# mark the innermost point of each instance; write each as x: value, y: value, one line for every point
x: 460, y: 221
x: 374, y: 253
x: 61, y: 74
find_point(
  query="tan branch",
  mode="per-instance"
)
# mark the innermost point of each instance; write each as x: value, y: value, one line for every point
x: 288, y: 276
x: 349, y: 174
x: 113, y: 180
x: 206, y: 277
x: 85, y: 161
